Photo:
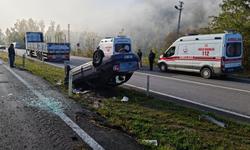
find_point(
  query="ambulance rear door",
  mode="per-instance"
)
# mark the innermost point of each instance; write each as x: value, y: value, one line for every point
x: 232, y: 54
x: 122, y: 43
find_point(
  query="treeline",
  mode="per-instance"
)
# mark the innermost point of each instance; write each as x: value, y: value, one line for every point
x: 88, y: 40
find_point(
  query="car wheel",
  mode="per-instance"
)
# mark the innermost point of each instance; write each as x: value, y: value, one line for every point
x: 97, y: 58
x: 163, y: 67
x: 206, y: 73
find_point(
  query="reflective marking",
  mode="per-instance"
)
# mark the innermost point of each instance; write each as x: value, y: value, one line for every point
x: 186, y: 100
x: 228, y: 88
x: 90, y: 141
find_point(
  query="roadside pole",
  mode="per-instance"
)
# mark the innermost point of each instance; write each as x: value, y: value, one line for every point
x: 23, y: 60
x: 42, y: 56
x: 147, y: 85
x: 70, y: 83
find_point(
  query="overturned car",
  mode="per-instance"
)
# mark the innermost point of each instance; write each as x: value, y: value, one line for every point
x: 103, y: 71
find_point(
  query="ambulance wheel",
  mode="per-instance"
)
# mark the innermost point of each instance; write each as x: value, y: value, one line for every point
x: 97, y: 58
x: 206, y: 73
x: 163, y: 67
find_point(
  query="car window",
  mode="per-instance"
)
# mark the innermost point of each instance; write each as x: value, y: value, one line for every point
x: 170, y: 52
x: 120, y: 46
x: 233, y: 49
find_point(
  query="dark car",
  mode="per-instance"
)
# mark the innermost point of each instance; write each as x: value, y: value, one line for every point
x: 2, y: 47
x: 103, y: 71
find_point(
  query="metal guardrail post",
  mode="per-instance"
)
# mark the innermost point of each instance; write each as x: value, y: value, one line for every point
x: 70, y: 83
x: 23, y: 60
x: 65, y: 63
x: 147, y: 85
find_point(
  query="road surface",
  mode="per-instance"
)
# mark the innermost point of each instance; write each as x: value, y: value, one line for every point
x: 230, y: 95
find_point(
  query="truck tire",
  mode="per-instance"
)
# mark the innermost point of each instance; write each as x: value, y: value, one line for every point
x: 30, y: 54
x: 27, y: 53
x: 163, y: 67
x: 206, y: 73
x: 97, y: 58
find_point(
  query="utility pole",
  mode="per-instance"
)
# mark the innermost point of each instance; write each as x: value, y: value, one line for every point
x: 180, y: 9
x: 69, y: 36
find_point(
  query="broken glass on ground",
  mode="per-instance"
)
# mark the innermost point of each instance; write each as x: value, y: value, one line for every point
x: 154, y: 142
x: 124, y: 99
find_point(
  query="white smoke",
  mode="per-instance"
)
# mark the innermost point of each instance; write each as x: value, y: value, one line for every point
x: 148, y: 19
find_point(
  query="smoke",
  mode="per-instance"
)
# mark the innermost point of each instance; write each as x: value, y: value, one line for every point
x: 148, y: 22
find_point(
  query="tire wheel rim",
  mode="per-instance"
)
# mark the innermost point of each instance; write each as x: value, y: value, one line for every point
x: 206, y: 73
x: 162, y: 67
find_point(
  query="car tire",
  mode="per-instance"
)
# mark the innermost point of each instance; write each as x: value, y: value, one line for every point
x: 206, y: 73
x: 163, y: 67
x: 97, y: 58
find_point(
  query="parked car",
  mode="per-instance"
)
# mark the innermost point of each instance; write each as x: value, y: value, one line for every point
x: 103, y: 71
x: 2, y: 47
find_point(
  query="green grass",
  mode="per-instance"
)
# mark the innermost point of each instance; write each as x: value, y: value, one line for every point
x: 173, y: 126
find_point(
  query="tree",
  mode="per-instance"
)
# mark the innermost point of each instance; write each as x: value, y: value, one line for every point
x: 235, y: 15
x: 1, y: 37
x: 59, y: 35
x: 17, y: 33
x: 50, y: 33
x: 171, y: 37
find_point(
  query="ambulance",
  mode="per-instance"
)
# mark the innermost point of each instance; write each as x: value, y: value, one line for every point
x: 209, y: 55
x: 112, y: 45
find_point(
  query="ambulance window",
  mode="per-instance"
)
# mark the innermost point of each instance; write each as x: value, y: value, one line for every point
x: 120, y: 46
x: 233, y: 49
x: 170, y: 52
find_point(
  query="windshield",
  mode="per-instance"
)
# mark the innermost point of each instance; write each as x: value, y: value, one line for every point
x: 120, y: 46
x: 233, y: 49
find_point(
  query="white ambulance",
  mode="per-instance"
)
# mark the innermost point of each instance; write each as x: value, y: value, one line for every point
x: 209, y: 55
x: 112, y: 45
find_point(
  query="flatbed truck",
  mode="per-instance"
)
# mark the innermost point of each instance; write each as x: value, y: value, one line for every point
x: 36, y: 47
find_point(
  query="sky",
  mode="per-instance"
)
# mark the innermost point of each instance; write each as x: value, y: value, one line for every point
x: 109, y: 16
x: 63, y: 12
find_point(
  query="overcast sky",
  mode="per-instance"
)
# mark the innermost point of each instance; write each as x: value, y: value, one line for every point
x: 96, y: 15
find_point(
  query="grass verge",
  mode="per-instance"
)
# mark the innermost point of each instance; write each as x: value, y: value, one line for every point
x: 173, y: 126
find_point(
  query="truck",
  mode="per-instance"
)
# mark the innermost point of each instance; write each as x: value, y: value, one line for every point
x: 51, y: 51
x: 209, y: 55
x: 112, y: 45
x: 16, y: 45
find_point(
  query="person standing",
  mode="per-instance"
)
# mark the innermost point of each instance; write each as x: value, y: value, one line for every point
x: 139, y: 53
x: 151, y: 58
x: 11, y: 51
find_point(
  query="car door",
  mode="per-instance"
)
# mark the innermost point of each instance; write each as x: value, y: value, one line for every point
x: 169, y: 57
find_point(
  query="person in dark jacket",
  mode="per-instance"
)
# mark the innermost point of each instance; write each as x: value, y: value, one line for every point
x: 151, y: 58
x: 11, y: 51
x: 139, y: 53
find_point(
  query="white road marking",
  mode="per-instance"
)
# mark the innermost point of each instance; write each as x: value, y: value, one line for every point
x: 90, y: 141
x: 218, y: 86
x: 190, y: 101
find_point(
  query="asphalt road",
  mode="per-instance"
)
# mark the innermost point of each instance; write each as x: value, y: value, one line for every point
x: 36, y: 115
x: 229, y: 95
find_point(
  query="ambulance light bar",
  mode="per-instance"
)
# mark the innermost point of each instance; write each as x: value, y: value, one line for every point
x: 230, y: 31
